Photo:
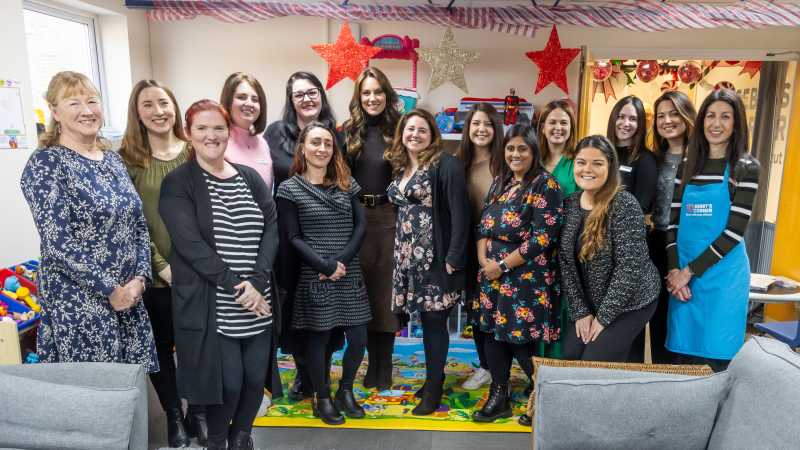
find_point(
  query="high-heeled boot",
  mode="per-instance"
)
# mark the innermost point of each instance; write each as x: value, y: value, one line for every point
x: 176, y: 429
x: 384, y: 360
x: 196, y: 425
x: 242, y: 441
x: 324, y: 409
x: 346, y: 402
x: 431, y: 399
x: 371, y: 377
x: 497, y: 406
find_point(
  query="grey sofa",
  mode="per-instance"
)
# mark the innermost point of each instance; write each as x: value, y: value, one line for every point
x: 73, y: 405
x: 755, y: 404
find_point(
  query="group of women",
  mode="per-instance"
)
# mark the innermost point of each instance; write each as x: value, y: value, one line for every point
x: 224, y: 239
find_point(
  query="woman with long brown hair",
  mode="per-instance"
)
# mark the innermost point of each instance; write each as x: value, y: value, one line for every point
x: 606, y: 275
x: 430, y: 192
x: 324, y: 221
x: 557, y: 128
x: 368, y: 133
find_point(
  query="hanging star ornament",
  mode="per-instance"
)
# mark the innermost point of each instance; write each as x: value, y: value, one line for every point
x: 553, y: 62
x: 346, y: 58
x: 448, y: 61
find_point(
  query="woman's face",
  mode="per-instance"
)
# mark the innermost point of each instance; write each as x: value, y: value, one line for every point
x: 518, y: 156
x: 416, y: 135
x: 156, y: 110
x: 718, y: 123
x: 318, y: 148
x: 307, y: 100
x: 481, y: 130
x: 669, y: 123
x: 245, y: 107
x: 80, y: 115
x: 626, y: 124
x: 373, y: 97
x: 209, y: 135
x: 556, y: 128
x: 591, y: 169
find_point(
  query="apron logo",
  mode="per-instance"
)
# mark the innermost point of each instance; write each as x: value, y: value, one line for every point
x: 699, y: 209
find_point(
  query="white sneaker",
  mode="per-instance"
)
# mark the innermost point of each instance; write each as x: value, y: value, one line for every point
x: 480, y: 377
x: 265, y: 404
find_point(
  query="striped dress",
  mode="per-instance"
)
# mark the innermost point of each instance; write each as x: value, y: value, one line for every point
x: 238, y: 225
x: 742, y: 184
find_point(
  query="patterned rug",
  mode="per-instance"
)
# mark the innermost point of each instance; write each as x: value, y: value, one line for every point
x: 391, y: 409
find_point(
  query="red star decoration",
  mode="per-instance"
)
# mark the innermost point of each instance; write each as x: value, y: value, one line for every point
x: 346, y: 58
x: 751, y: 68
x: 553, y: 62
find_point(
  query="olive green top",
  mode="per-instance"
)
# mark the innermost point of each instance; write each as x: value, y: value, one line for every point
x: 148, y: 185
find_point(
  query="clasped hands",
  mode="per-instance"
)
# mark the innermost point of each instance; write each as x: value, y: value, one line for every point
x: 678, y: 283
x: 249, y: 297
x: 127, y: 295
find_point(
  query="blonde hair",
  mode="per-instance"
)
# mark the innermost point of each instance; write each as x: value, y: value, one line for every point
x: 62, y: 85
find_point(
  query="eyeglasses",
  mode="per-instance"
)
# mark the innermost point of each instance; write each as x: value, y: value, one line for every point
x: 312, y: 94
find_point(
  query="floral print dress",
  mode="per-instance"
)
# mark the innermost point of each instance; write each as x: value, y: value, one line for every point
x: 412, y: 289
x: 523, y: 305
x: 93, y: 238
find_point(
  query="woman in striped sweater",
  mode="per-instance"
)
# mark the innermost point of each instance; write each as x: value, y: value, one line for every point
x: 709, y: 273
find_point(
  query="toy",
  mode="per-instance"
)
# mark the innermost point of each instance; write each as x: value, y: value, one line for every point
x: 11, y: 283
x: 24, y: 294
x: 31, y: 358
x: 511, y: 104
x: 3, y: 309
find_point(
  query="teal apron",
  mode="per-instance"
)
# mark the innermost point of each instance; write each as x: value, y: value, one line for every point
x: 712, y: 323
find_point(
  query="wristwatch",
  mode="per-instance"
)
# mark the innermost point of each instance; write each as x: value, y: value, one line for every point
x: 503, y: 266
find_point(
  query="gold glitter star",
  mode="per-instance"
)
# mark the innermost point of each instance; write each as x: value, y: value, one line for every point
x: 447, y: 62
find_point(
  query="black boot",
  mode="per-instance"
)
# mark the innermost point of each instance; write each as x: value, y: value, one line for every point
x: 421, y: 390
x: 384, y: 360
x: 431, y: 399
x: 301, y: 386
x: 525, y: 420
x: 213, y: 444
x: 371, y: 377
x: 242, y: 441
x: 196, y: 425
x: 325, y: 410
x: 497, y: 406
x: 176, y: 429
x: 346, y: 402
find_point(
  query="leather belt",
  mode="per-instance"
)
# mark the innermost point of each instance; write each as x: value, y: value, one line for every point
x: 371, y: 201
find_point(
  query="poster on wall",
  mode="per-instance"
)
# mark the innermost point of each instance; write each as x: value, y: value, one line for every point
x: 12, y: 119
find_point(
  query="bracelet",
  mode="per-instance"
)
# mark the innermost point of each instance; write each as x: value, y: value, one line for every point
x: 503, y: 266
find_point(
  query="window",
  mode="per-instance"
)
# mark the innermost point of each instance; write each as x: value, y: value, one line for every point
x: 58, y: 40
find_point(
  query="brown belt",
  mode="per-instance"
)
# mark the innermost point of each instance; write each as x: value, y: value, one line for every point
x: 371, y: 201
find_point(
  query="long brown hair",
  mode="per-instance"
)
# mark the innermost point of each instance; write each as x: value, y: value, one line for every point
x: 355, y: 128
x: 639, y: 139
x: 687, y: 112
x: 62, y: 85
x: 229, y: 88
x: 466, y: 149
x: 397, y: 154
x: 569, y: 146
x: 337, y: 172
x: 200, y: 106
x: 595, y: 229
x: 135, y: 149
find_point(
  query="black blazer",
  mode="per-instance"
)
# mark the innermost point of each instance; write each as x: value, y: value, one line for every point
x: 451, y: 222
x: 197, y: 270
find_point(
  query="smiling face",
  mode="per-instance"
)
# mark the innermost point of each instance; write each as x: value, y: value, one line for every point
x: 416, y: 135
x: 556, y: 128
x: 669, y: 122
x: 245, y: 107
x: 209, y: 135
x: 156, y: 110
x: 80, y: 115
x: 591, y: 169
x: 718, y: 123
x: 481, y: 130
x: 626, y: 125
x: 518, y: 156
x: 318, y: 148
x: 307, y: 100
x: 373, y: 97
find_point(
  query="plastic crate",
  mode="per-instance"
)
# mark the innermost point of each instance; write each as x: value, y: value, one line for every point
x: 17, y: 307
x: 5, y: 273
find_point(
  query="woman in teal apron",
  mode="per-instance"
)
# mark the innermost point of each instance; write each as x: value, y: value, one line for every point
x: 709, y: 275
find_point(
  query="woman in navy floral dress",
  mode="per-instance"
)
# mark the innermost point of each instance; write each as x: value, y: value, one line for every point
x: 520, y: 294
x: 95, y: 249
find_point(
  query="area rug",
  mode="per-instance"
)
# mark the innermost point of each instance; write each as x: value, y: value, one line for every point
x: 391, y: 409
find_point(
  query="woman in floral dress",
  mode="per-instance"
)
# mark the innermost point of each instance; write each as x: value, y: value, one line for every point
x: 520, y: 296
x: 429, y: 189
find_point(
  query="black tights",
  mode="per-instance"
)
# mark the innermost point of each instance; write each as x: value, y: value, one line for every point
x: 244, y: 369
x: 500, y: 354
x: 318, y: 357
x: 435, y: 340
x: 480, y: 339
x: 158, y: 302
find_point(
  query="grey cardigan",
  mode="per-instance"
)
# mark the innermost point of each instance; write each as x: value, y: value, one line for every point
x: 620, y: 278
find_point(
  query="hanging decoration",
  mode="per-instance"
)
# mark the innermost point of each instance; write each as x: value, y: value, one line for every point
x: 346, y: 58
x: 603, y: 72
x: 751, y: 68
x: 669, y: 85
x: 647, y: 70
x: 448, y: 61
x: 553, y: 62
x: 689, y: 72
x: 724, y: 85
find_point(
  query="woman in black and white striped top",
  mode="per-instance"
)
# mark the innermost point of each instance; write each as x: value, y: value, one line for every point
x: 223, y: 225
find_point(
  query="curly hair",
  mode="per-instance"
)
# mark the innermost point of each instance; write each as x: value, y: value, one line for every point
x: 355, y: 128
x: 397, y: 155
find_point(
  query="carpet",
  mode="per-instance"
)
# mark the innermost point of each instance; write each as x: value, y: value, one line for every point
x: 391, y: 409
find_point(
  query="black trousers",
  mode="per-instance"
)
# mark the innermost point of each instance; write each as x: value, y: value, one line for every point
x: 480, y: 339
x: 318, y: 357
x: 657, y: 242
x: 717, y: 365
x: 158, y: 302
x: 435, y: 341
x: 500, y: 356
x: 614, y: 342
x: 244, y: 370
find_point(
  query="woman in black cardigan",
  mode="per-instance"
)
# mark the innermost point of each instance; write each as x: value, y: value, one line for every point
x: 222, y: 222
x: 606, y: 274
x: 429, y: 189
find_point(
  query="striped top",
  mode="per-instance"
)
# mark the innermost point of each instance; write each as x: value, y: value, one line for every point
x: 238, y: 225
x: 743, y: 184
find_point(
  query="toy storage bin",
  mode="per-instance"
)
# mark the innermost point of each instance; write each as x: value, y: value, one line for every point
x: 17, y: 307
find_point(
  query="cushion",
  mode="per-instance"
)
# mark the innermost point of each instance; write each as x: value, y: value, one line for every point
x: 651, y: 412
x: 763, y: 407
x: 39, y: 414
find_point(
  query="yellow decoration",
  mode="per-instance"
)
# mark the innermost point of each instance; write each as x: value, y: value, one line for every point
x: 447, y: 62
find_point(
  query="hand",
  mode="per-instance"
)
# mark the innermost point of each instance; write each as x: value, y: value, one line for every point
x: 492, y: 270
x: 166, y: 275
x: 583, y: 327
x: 247, y: 295
x: 262, y: 308
x: 340, y: 271
x: 684, y: 294
x: 677, y: 279
x: 595, y: 329
x: 449, y: 268
x: 123, y: 297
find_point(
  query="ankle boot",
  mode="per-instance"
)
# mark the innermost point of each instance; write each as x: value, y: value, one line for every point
x: 176, y: 429
x: 214, y: 444
x: 371, y: 377
x: 431, y: 400
x: 196, y: 425
x: 325, y: 410
x: 497, y: 406
x: 346, y: 402
x: 422, y: 388
x: 385, y: 366
x: 242, y: 441
x: 525, y: 420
